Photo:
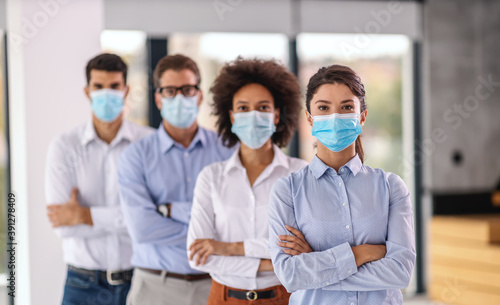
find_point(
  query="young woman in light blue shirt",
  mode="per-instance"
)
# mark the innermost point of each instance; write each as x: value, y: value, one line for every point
x: 341, y: 232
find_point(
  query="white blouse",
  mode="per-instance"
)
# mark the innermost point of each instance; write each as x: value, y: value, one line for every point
x: 226, y: 208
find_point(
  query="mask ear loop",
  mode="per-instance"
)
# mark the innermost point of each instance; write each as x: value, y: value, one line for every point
x: 312, y: 118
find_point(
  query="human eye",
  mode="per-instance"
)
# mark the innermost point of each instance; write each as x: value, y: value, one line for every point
x: 323, y: 108
x: 242, y: 108
x: 348, y: 107
x: 188, y: 90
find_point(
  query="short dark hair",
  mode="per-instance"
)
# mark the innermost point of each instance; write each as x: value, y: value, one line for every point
x: 175, y: 62
x: 106, y: 62
x: 282, y: 84
x: 338, y: 74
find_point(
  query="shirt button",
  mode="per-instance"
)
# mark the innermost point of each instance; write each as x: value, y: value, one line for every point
x: 343, y: 204
x: 340, y: 183
x: 186, y: 154
x: 349, y: 271
x: 347, y: 227
x: 352, y: 303
x: 341, y: 170
x: 252, y: 218
x: 188, y: 179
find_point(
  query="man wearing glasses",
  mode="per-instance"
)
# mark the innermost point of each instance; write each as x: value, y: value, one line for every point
x: 157, y: 177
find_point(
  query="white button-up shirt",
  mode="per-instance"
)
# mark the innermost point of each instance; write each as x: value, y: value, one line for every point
x: 226, y: 208
x: 79, y: 158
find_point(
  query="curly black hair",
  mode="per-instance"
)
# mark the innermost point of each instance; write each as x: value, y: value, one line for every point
x: 282, y: 84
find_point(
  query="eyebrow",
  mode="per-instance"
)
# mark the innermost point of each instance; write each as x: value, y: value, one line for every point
x: 261, y: 102
x: 322, y: 101
x: 328, y: 102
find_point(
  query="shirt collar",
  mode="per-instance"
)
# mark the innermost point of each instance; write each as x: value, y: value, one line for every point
x: 318, y: 168
x: 166, y: 142
x: 279, y: 159
x: 124, y: 132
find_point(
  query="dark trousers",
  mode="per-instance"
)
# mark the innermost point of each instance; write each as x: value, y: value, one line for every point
x: 83, y: 289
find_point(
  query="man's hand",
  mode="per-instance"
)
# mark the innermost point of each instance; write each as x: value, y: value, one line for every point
x: 69, y: 214
x: 206, y: 247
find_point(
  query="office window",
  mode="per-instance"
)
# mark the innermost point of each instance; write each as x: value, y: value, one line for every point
x: 380, y: 65
x: 212, y: 50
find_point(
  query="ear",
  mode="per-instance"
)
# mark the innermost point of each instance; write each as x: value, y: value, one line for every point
x: 362, y: 117
x: 87, y: 92
x: 158, y: 100
x: 308, y: 117
x: 276, y: 116
x: 200, y: 98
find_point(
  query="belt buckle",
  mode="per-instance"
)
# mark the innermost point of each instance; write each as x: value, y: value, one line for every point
x: 109, y: 278
x: 249, y: 293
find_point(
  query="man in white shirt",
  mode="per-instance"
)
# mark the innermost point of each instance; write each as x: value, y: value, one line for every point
x: 82, y: 190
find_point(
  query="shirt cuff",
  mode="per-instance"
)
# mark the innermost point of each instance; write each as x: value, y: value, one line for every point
x: 346, y: 262
x: 256, y: 248
x: 106, y: 218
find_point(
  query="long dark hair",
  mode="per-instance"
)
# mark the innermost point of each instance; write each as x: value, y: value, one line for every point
x: 341, y: 75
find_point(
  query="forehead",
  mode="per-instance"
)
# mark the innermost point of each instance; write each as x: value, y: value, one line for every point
x: 177, y: 78
x: 334, y: 93
x: 102, y: 76
x: 251, y: 92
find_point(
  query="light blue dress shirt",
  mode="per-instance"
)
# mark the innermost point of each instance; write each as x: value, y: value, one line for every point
x: 359, y: 205
x: 157, y: 170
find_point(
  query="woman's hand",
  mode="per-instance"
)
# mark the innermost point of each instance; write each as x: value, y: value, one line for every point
x: 265, y: 265
x: 294, y: 245
x: 206, y: 247
x: 367, y: 253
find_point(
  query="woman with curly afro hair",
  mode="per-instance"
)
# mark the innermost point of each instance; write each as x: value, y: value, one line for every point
x: 257, y: 104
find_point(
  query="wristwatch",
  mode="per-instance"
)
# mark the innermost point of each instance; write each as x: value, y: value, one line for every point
x: 164, y: 209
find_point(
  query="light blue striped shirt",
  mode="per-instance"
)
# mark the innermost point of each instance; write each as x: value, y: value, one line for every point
x: 157, y: 170
x: 335, y: 212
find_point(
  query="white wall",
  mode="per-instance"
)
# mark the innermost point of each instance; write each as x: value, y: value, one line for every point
x: 2, y: 14
x: 49, y: 46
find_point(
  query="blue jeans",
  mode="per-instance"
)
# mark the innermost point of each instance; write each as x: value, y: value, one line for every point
x: 92, y: 290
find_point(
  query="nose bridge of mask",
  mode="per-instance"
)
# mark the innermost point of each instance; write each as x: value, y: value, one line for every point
x: 107, y: 93
x: 328, y: 117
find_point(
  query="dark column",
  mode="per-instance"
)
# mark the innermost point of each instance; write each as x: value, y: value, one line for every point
x: 157, y: 48
x: 417, y: 129
x: 294, y: 68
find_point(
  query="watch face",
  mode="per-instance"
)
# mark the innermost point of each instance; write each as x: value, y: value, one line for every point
x: 163, y: 210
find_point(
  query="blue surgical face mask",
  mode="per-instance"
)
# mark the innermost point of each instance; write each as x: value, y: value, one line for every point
x: 107, y: 104
x: 180, y: 111
x: 253, y: 128
x: 336, y: 131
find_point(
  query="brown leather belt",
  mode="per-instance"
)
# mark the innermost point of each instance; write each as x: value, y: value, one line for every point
x: 186, y: 277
